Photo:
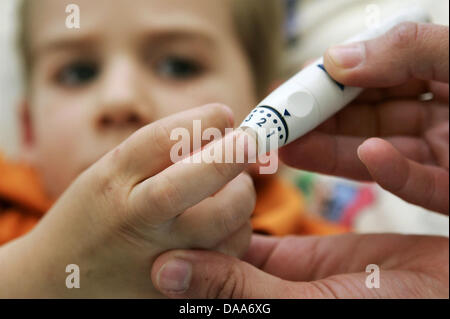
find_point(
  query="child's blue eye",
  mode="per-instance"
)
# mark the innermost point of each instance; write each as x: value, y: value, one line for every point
x: 178, y: 68
x: 78, y: 73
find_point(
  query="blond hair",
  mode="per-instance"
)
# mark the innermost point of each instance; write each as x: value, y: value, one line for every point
x: 258, y: 25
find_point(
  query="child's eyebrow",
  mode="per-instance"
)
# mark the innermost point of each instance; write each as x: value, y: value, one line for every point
x: 64, y: 44
x: 178, y: 35
x: 87, y: 42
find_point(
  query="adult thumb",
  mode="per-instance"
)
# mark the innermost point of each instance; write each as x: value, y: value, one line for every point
x: 211, y: 275
x: 409, y: 50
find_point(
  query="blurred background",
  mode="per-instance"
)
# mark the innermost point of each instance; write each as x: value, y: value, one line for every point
x: 311, y: 27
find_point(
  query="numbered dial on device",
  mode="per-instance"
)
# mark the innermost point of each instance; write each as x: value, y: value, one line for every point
x: 269, y: 124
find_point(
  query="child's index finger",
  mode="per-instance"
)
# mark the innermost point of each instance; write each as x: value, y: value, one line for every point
x: 148, y: 151
x: 188, y: 182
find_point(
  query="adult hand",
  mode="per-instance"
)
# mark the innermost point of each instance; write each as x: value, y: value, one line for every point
x: 410, y: 154
x: 411, y: 161
x: 311, y: 267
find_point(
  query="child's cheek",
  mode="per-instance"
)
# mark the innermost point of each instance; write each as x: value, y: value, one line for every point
x: 60, y: 131
x: 60, y: 125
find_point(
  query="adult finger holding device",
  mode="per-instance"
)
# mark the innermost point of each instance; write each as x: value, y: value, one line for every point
x: 311, y: 96
x: 411, y: 159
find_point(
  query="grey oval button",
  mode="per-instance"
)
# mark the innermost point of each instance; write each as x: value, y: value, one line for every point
x: 300, y: 104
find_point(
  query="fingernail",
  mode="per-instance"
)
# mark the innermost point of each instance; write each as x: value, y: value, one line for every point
x: 359, y: 152
x: 175, y: 276
x: 364, y: 146
x: 347, y: 56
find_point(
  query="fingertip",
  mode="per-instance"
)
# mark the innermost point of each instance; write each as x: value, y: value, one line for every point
x: 222, y: 110
x: 385, y: 163
x: 347, y: 56
x: 369, y: 148
x: 332, y: 68
x: 157, y: 265
x: 378, y: 155
x: 172, y: 273
x: 174, y: 277
x: 343, y: 62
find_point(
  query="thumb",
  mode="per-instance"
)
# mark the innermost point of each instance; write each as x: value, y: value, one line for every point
x: 210, y: 275
x: 409, y: 50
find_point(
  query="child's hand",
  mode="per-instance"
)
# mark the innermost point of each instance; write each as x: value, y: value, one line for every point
x: 412, y: 159
x: 131, y: 206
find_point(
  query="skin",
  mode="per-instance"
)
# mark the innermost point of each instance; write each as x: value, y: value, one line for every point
x: 398, y: 142
x: 129, y: 55
x: 124, y: 73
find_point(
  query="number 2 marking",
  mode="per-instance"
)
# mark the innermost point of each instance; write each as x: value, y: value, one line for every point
x: 263, y: 121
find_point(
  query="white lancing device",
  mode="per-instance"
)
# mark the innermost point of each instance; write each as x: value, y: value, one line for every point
x: 311, y: 96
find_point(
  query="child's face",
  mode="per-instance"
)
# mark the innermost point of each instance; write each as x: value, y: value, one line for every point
x: 130, y: 63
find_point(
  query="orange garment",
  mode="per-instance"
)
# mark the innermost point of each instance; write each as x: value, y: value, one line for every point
x: 22, y: 200
x: 279, y: 209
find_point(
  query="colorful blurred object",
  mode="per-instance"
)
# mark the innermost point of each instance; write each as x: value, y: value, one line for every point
x: 339, y: 201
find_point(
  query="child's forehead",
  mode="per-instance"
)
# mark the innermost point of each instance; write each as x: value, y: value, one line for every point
x: 103, y: 17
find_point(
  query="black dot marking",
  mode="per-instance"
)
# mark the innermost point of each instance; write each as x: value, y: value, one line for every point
x: 280, y: 118
x: 269, y: 115
x: 281, y: 137
x: 262, y: 111
x: 279, y: 129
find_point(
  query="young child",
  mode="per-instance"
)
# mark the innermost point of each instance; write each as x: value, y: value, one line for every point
x: 87, y: 91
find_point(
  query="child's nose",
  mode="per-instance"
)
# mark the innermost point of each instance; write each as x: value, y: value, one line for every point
x: 126, y: 118
x: 122, y: 101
